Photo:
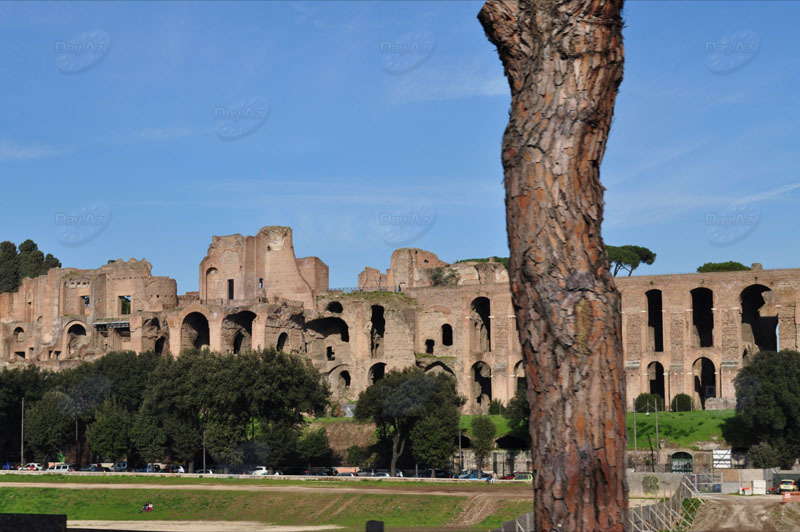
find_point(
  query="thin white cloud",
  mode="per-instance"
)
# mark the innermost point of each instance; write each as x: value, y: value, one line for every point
x: 12, y: 151
x: 449, y: 84
x: 767, y: 194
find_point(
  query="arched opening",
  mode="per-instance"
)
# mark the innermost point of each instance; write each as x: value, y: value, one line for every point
x: 519, y: 374
x: 759, y: 319
x: 429, y: 346
x: 19, y: 334
x: 447, y: 334
x: 377, y: 330
x: 481, y: 386
x: 481, y: 326
x: 439, y: 367
x: 703, y: 317
x: 342, y: 384
x: 704, y: 381
x: 159, y: 345
x: 377, y: 372
x: 655, y: 321
x: 237, y: 331
x: 211, y: 283
x: 194, y: 331
x: 334, y: 306
x: 681, y: 462
x: 76, y: 338
x: 655, y: 374
x: 281, y: 341
x: 326, y: 338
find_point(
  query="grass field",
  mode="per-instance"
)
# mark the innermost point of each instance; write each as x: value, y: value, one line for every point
x: 349, y: 510
x: 679, y: 428
x: 312, y: 482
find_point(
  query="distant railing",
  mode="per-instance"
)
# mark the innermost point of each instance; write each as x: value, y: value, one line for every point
x: 671, y: 514
x: 355, y: 289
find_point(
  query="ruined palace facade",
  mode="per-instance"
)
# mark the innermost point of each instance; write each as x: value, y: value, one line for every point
x: 682, y: 333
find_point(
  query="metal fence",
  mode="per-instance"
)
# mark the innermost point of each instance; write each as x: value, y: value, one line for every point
x: 670, y: 514
x: 673, y: 514
x: 707, y: 482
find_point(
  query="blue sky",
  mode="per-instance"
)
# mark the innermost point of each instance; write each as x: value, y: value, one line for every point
x: 372, y: 125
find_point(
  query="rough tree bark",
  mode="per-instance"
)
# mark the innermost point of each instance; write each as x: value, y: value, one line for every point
x: 563, y: 60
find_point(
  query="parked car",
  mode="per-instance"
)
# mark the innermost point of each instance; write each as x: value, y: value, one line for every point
x: 61, y: 468
x: 174, y: 469
x: 31, y: 466
x: 527, y: 477
x: 380, y: 474
x: 438, y: 473
x: 787, y: 485
x: 95, y: 468
x: 120, y: 467
x: 472, y: 474
x: 347, y: 474
x: 260, y: 471
x: 510, y: 476
x: 205, y: 472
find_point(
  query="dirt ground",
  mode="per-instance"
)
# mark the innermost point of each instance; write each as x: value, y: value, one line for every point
x: 192, y: 526
x: 755, y: 513
x: 495, y: 491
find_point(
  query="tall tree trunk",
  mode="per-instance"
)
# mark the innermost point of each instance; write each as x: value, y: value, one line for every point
x: 563, y: 60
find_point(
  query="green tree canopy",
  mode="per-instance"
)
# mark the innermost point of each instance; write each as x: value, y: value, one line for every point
x: 434, y: 436
x: 768, y: 404
x: 110, y: 434
x: 399, y: 401
x: 47, y: 430
x: 483, y: 432
x: 730, y: 266
x: 28, y: 261
x: 313, y: 444
x: 628, y: 258
x: 518, y: 415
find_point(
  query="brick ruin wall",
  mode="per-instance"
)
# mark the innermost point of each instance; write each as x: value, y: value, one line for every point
x: 688, y: 333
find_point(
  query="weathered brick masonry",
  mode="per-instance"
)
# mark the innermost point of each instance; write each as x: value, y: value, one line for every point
x: 682, y: 333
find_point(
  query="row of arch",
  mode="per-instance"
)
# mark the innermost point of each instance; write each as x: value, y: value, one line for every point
x: 704, y: 381
x: 759, y: 330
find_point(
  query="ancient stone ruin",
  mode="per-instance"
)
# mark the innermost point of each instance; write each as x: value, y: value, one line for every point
x: 686, y: 333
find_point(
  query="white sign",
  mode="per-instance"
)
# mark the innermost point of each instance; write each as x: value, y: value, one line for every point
x: 721, y: 458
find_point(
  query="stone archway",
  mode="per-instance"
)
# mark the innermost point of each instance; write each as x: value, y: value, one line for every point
x: 194, y: 331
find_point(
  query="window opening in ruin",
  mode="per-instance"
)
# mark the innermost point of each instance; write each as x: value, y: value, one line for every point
x: 377, y: 372
x: 230, y: 289
x: 124, y: 305
x: 429, y: 346
x: 344, y: 383
x: 519, y: 373
x: 681, y: 462
x: 19, y: 333
x: 85, y: 301
x: 759, y: 319
x: 76, y: 338
x: 482, y: 385
x: 655, y: 374
x: 703, y: 317
x: 481, y: 325
x: 334, y: 306
x: 20, y: 354
x: 655, y: 321
x: 194, y: 331
x: 329, y: 353
x: 261, y: 282
x: 159, y: 347
x: 281, y: 341
x: 237, y: 343
x: 447, y: 334
x: 377, y: 330
x: 705, y: 385
x: 237, y: 331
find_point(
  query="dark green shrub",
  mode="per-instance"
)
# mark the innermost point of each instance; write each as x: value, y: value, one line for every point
x: 681, y: 403
x: 649, y: 402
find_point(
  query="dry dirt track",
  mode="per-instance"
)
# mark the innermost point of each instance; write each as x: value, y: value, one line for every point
x: 193, y: 526
x: 495, y: 491
x: 755, y: 513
